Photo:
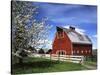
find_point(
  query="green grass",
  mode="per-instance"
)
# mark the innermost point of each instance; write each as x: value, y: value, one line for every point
x: 40, y: 65
x: 90, y: 63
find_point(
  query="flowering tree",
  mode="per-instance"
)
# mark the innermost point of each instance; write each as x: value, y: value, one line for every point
x: 26, y: 31
x: 38, y: 34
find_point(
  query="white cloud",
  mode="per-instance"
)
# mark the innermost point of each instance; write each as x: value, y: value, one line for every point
x: 63, y: 19
x: 47, y: 42
x: 49, y: 45
x: 95, y: 36
x: 81, y: 31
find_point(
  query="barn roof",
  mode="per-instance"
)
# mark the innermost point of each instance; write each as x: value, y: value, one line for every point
x: 75, y: 36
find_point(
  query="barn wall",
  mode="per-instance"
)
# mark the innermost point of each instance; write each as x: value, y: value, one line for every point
x: 82, y: 49
x: 61, y: 44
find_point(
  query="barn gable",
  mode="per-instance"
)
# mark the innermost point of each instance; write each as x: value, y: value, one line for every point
x: 61, y: 42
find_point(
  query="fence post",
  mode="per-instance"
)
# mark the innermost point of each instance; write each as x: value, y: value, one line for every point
x: 82, y: 60
x: 69, y: 58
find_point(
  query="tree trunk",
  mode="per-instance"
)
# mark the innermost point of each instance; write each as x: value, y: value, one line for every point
x: 20, y: 60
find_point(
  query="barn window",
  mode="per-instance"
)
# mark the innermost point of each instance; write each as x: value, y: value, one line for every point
x: 61, y: 53
x: 60, y: 34
x: 77, y: 51
x: 89, y: 51
x: 58, y: 53
x: 72, y: 52
x: 82, y: 51
x: 86, y: 51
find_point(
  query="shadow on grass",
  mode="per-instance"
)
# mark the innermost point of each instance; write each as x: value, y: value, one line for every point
x: 35, y: 64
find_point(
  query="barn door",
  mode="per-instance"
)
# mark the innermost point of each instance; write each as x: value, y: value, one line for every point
x: 61, y: 52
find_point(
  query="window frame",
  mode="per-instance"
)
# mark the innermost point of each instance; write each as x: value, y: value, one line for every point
x: 60, y: 34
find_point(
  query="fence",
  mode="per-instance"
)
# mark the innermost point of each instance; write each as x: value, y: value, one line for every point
x: 68, y: 58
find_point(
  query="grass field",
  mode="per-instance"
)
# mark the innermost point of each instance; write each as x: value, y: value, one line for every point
x: 40, y: 65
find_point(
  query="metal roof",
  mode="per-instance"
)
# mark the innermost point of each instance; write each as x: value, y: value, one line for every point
x: 76, y: 37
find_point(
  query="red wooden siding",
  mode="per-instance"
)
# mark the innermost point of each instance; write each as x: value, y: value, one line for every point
x: 82, y: 49
x: 62, y: 43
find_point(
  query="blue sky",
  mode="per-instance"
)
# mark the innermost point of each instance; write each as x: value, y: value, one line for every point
x: 83, y: 17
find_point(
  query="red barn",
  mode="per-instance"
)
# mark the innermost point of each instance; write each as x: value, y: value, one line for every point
x: 70, y: 42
